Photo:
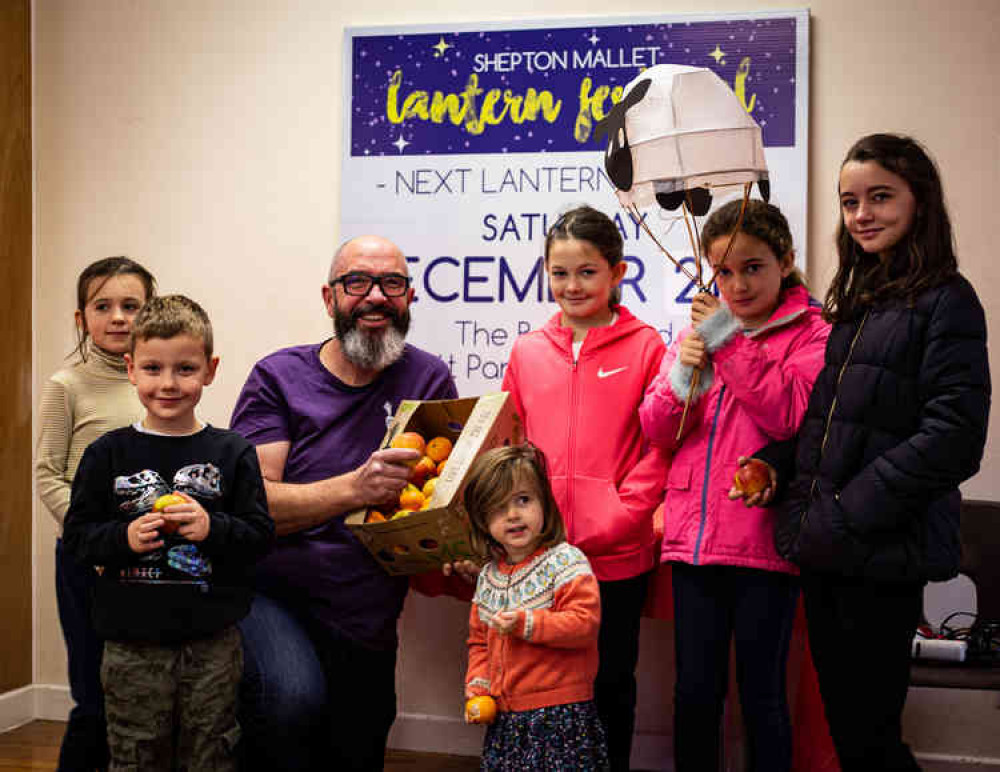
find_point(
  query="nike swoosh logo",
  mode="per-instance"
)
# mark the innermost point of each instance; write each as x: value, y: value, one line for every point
x: 601, y: 373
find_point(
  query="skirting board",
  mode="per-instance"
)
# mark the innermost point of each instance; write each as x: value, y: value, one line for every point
x: 954, y: 761
x: 39, y: 701
x: 412, y: 731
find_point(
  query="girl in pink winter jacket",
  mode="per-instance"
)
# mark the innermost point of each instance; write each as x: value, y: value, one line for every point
x: 759, y: 353
x: 577, y: 383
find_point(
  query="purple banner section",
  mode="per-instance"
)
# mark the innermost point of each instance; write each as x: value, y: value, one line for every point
x: 542, y: 90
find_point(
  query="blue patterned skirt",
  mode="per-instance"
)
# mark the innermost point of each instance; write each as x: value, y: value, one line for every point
x: 556, y: 738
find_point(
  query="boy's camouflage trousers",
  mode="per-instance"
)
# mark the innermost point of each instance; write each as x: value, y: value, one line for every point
x: 173, y: 707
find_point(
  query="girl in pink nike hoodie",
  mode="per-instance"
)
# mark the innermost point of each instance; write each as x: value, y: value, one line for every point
x: 577, y: 383
x: 759, y: 354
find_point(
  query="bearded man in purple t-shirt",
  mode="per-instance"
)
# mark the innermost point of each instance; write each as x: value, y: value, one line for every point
x: 320, y: 640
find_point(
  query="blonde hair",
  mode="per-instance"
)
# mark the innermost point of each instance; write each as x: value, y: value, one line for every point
x: 167, y: 316
x: 493, y: 478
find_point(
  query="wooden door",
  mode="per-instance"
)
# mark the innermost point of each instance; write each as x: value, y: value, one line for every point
x: 15, y: 345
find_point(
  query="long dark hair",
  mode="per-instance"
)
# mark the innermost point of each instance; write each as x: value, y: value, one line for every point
x: 101, y: 271
x: 584, y: 223
x: 923, y: 258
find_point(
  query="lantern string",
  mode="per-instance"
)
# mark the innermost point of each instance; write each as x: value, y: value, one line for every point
x: 688, y: 218
x: 696, y: 375
x: 634, y: 214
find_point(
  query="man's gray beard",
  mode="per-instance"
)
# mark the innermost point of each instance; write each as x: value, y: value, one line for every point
x: 371, y: 350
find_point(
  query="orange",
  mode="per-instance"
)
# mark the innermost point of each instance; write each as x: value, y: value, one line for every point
x: 411, y: 440
x: 167, y: 500
x: 374, y: 516
x: 439, y: 448
x: 411, y: 498
x: 422, y: 470
x: 440, y: 469
x: 480, y: 710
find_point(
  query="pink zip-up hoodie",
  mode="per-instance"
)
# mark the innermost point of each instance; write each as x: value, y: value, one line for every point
x: 584, y: 416
x: 754, y: 391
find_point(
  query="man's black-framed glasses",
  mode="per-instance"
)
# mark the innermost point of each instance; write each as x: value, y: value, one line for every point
x: 392, y: 285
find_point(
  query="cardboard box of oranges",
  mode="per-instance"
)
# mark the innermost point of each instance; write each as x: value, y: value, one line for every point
x: 430, y: 526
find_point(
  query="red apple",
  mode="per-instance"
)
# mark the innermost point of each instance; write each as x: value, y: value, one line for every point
x: 752, y: 477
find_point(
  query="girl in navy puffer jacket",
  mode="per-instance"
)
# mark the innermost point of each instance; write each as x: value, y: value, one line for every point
x: 896, y: 421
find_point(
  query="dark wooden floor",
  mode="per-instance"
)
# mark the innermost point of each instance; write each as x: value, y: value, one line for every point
x: 35, y: 746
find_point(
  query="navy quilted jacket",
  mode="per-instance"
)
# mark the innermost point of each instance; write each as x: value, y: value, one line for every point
x: 896, y: 420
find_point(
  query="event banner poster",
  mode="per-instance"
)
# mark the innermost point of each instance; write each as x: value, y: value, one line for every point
x: 464, y: 143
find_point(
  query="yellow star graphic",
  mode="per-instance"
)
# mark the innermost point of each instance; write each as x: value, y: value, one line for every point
x: 717, y: 54
x: 441, y: 47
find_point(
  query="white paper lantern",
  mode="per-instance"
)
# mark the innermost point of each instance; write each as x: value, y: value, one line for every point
x: 678, y: 132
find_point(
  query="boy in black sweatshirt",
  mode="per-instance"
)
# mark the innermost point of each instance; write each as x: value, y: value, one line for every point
x: 174, y: 580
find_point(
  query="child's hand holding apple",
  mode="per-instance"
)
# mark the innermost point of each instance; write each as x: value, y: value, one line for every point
x: 755, y: 482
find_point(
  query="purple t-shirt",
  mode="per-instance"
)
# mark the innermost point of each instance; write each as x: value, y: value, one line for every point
x: 324, y: 572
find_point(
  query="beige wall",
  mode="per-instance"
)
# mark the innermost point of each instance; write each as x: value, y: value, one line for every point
x: 202, y: 137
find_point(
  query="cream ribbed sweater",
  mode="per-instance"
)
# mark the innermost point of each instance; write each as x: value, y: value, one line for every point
x: 79, y: 404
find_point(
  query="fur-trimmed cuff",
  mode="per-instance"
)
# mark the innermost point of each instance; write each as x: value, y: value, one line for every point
x: 680, y: 380
x: 718, y: 329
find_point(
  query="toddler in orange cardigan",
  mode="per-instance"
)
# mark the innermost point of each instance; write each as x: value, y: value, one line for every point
x: 534, y: 621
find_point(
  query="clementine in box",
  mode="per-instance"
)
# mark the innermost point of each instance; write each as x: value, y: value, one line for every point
x: 411, y: 498
x: 439, y: 448
x: 411, y: 440
x: 423, y: 470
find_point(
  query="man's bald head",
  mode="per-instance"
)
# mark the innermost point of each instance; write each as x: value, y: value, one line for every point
x: 357, y: 253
